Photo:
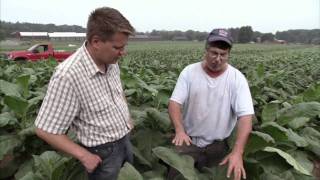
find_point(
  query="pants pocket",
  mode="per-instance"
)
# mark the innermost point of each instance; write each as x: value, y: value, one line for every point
x: 103, y: 151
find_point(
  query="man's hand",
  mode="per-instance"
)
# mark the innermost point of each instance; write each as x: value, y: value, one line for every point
x: 180, y: 138
x: 64, y: 143
x: 90, y: 161
x: 235, y: 164
x: 234, y: 159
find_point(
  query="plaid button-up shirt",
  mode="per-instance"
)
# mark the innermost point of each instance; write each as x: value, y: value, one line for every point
x: 85, y: 99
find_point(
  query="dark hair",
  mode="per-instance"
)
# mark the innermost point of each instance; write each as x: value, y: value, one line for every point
x: 105, y: 22
x: 218, y: 44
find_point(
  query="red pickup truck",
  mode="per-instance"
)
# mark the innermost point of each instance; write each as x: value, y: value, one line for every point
x: 38, y: 52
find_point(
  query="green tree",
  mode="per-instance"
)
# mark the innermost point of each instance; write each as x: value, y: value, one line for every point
x: 234, y: 33
x: 190, y: 35
x: 2, y: 34
x: 267, y: 37
x: 245, y: 34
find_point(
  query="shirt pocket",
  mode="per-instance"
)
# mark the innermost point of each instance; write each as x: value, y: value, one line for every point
x: 100, y: 106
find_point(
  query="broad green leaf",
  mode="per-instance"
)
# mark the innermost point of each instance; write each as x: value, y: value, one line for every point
x: 72, y: 170
x: 34, y: 102
x: 257, y: 141
x: 144, y: 85
x: 307, y: 109
x: 252, y: 168
x: 260, y: 71
x: 128, y: 172
x: 278, y: 132
x: 140, y: 157
x: 269, y: 176
x: 158, y: 172
x: 10, y: 70
x: 298, y: 122
x: 23, y: 82
x: 286, y: 105
x: 287, y: 175
x: 281, y: 134
x: 147, y: 139
x: 163, y: 98
x: 30, y: 176
x: 24, y: 169
x: 267, y: 161
x: 217, y: 172
x: 129, y: 92
x: 8, y: 143
x: 7, y: 119
x: 183, y: 163
x: 289, y: 159
x: 312, y: 93
x: 269, y: 112
x: 298, y: 140
x: 28, y: 71
x: 299, y: 176
x: 303, y: 159
x: 48, y: 163
x: 137, y: 116
x: 9, y: 89
x: 18, y: 105
x: 159, y: 118
x: 29, y: 131
x: 312, y: 136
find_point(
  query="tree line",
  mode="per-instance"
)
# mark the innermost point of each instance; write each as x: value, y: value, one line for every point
x: 244, y: 34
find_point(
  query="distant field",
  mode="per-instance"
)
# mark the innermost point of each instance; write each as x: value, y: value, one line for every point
x: 141, y: 45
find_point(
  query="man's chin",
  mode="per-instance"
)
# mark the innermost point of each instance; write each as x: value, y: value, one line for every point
x: 115, y: 61
x: 215, y: 69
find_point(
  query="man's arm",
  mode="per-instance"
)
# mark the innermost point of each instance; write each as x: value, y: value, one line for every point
x: 176, y: 118
x: 64, y: 143
x: 235, y: 158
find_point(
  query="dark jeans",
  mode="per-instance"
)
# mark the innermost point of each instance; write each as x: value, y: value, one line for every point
x: 113, y: 155
x: 208, y: 156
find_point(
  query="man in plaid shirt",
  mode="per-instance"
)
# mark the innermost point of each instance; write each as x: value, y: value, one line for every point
x: 86, y: 95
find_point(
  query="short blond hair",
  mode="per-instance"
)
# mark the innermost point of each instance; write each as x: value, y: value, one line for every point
x: 104, y: 22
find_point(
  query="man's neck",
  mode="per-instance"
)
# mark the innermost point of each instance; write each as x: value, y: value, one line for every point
x: 214, y: 74
x: 101, y: 66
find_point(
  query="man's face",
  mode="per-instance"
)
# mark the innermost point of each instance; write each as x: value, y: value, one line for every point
x: 216, y: 59
x: 110, y: 51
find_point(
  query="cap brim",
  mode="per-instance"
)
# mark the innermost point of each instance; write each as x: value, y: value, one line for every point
x: 219, y: 38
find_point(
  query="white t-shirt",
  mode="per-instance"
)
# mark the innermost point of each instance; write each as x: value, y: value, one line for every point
x: 211, y: 106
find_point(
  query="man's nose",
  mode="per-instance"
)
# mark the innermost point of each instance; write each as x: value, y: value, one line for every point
x: 122, y: 52
x: 218, y: 58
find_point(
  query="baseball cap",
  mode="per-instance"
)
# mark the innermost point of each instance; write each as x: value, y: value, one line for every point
x: 220, y: 35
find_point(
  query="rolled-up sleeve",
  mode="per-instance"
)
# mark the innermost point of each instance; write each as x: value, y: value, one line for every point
x: 243, y: 101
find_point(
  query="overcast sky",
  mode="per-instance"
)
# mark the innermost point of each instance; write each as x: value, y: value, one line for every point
x: 200, y: 15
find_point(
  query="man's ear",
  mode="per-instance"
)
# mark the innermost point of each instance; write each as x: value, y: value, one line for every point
x: 95, y: 42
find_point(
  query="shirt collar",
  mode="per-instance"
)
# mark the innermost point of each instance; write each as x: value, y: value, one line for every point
x: 90, y: 65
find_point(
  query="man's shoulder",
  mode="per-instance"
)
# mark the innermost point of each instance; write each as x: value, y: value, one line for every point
x: 192, y: 67
x: 236, y: 72
x: 70, y: 66
x: 236, y: 77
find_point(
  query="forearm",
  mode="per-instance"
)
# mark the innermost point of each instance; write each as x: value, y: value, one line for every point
x: 175, y: 116
x: 63, y: 143
x: 243, y: 132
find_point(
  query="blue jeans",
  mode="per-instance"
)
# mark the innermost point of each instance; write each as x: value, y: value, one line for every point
x: 113, y: 155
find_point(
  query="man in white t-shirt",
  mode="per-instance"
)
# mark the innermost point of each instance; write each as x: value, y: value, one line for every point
x: 209, y: 99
